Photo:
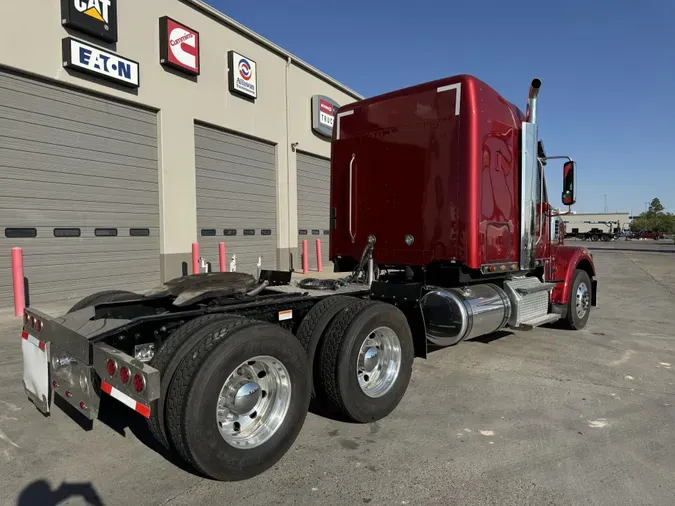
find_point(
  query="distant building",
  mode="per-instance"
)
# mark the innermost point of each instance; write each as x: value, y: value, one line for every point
x: 579, y: 223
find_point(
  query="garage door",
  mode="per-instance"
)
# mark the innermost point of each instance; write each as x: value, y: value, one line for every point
x: 236, y: 198
x: 78, y: 191
x: 313, y: 207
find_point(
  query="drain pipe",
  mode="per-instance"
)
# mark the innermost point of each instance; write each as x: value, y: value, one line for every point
x: 289, y: 61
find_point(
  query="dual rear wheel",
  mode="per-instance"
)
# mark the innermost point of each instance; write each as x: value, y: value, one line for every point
x: 361, y: 354
x: 234, y: 395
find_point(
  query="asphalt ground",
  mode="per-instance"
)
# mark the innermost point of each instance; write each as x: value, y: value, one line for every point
x: 530, y: 418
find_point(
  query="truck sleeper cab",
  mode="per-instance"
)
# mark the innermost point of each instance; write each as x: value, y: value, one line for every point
x: 438, y: 213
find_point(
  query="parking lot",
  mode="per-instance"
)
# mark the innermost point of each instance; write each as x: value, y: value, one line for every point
x: 541, y: 417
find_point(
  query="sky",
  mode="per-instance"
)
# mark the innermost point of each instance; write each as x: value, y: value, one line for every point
x: 607, y: 68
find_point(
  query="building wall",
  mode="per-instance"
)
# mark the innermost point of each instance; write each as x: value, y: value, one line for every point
x: 574, y: 221
x: 180, y: 101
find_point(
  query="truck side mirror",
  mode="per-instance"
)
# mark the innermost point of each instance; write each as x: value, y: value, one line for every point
x: 568, y: 188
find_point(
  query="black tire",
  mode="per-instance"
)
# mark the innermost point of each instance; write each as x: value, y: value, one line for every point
x: 193, y: 397
x: 168, y: 358
x: 313, y: 327
x: 594, y: 238
x: 339, y: 386
x: 573, y: 320
x: 105, y: 296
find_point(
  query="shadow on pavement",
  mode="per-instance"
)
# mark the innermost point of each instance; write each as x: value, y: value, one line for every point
x: 638, y: 250
x: 119, y: 418
x: 40, y: 493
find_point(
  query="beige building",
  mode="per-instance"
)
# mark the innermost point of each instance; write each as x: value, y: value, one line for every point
x: 580, y: 223
x: 130, y: 130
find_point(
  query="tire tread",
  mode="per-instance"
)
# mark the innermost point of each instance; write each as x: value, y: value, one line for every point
x: 330, y: 354
x: 161, y: 361
x: 180, y: 384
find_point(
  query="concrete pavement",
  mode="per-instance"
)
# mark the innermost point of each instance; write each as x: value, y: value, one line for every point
x: 531, y: 418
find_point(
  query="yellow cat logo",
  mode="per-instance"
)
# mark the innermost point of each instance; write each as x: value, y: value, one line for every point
x: 97, y: 9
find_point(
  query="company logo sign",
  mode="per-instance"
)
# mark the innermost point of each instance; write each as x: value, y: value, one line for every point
x: 245, y: 70
x: 324, y: 110
x: 179, y: 46
x: 326, y: 114
x: 95, y: 61
x: 243, y: 78
x: 94, y: 17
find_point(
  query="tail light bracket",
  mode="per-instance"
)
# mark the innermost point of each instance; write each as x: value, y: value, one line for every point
x: 104, y: 352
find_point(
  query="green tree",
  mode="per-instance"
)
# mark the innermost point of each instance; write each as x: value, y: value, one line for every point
x: 654, y: 219
x: 655, y: 207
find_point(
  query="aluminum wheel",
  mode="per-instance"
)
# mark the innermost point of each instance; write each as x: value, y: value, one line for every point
x: 379, y: 362
x: 253, y: 402
x: 583, y: 300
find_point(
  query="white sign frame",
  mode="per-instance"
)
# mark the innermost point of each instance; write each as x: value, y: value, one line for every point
x: 101, y: 63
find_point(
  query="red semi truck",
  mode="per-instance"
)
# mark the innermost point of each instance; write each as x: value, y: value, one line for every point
x: 440, y: 217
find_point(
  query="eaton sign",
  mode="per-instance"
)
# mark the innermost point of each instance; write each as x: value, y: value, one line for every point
x: 95, y: 61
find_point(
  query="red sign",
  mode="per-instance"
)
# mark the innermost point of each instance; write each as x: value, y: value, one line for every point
x: 179, y: 46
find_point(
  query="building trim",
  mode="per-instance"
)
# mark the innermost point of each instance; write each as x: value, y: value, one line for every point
x: 77, y: 87
x: 247, y: 32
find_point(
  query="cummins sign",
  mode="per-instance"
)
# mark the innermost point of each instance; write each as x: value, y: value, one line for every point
x: 179, y: 46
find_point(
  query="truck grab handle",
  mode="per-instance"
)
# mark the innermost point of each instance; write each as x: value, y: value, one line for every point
x: 351, y: 191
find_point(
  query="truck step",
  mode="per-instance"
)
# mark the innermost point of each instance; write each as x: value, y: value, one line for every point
x: 541, y: 287
x: 541, y: 320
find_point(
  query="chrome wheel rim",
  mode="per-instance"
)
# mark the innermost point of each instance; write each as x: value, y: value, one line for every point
x: 583, y: 300
x: 379, y: 362
x: 253, y: 402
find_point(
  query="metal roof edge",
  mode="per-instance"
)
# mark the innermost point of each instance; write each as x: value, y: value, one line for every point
x: 212, y: 11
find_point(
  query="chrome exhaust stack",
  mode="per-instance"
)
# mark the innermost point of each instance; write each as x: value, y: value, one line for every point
x: 528, y: 180
x: 532, y: 96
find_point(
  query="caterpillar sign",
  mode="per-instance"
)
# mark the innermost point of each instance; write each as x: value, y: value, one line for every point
x: 94, y: 17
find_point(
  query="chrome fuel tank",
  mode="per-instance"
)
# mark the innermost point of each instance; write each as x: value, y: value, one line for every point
x: 452, y: 315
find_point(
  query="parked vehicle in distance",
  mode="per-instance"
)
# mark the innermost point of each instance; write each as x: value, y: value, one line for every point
x: 441, y: 219
x: 650, y: 234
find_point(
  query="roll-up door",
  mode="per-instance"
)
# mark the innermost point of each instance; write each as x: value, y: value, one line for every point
x: 236, y: 199
x: 78, y: 191
x: 313, y: 207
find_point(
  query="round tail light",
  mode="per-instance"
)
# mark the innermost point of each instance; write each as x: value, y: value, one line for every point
x: 26, y: 319
x: 32, y: 321
x: 111, y: 366
x: 38, y: 325
x: 139, y: 383
x: 124, y: 375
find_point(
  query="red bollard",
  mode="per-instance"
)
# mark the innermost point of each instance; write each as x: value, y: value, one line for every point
x: 195, y: 258
x: 319, y: 264
x: 222, y: 257
x: 17, y: 277
x: 305, y: 259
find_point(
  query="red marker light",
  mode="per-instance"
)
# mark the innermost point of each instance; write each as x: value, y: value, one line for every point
x: 139, y: 383
x: 111, y: 366
x: 124, y: 375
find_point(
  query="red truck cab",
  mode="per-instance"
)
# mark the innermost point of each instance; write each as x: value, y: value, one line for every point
x: 446, y: 179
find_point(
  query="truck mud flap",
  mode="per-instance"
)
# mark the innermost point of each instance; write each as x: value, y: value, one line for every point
x: 407, y: 298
